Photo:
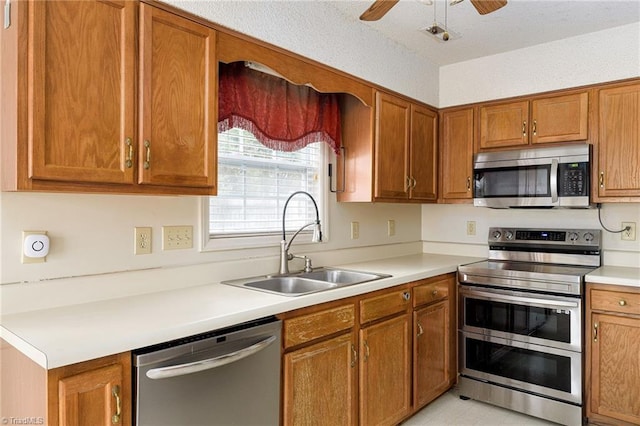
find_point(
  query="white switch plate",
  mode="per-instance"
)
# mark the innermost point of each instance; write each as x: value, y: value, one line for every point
x: 177, y: 237
x: 391, y: 227
x: 355, y: 230
x: 39, y: 243
x: 142, y: 240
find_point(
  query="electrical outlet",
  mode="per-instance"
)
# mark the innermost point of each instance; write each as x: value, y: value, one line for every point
x: 142, y: 240
x: 391, y: 227
x: 630, y: 234
x: 355, y: 230
x: 177, y: 237
x: 471, y: 227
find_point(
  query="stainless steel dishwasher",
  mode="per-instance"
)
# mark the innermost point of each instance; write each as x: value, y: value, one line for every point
x: 224, y: 377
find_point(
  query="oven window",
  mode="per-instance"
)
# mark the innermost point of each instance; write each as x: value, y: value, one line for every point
x: 539, y: 368
x: 532, y: 321
x: 530, y: 181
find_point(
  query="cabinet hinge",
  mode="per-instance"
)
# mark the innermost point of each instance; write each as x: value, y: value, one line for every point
x: 7, y: 14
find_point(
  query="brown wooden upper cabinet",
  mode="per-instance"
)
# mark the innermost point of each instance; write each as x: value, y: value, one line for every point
x: 456, y: 159
x: 562, y: 118
x: 75, y: 127
x: 405, y: 150
x: 618, y: 144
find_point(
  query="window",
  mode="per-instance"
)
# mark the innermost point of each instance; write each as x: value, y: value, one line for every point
x: 254, y: 183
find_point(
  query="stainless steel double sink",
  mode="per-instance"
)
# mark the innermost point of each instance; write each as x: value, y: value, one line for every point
x: 297, y: 284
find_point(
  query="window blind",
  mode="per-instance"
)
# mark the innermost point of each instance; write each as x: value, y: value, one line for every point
x: 254, y: 182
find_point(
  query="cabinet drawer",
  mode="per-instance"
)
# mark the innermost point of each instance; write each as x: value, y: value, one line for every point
x: 318, y: 324
x: 430, y: 292
x: 384, y: 305
x: 615, y: 301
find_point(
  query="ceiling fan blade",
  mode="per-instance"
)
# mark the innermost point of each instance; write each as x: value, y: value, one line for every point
x: 377, y: 10
x: 487, y: 6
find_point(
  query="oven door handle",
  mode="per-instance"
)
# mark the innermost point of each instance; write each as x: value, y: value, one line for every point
x: 207, y: 364
x: 531, y: 301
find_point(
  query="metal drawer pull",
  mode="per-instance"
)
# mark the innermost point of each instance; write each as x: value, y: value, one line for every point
x: 406, y: 295
x: 601, y: 180
x: 595, y: 332
x: 468, y: 183
x: 524, y: 129
x: 207, y: 364
x: 622, y: 302
x: 116, y: 394
x: 434, y: 293
x: 535, y: 125
x: 420, y: 330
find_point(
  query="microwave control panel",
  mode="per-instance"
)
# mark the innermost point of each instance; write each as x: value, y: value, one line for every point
x: 573, y: 179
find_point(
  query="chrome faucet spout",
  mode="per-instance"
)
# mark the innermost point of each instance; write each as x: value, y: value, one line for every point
x: 285, y: 256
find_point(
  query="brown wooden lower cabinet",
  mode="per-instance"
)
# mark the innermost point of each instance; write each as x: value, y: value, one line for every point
x: 92, y: 393
x: 320, y: 383
x: 613, y: 355
x: 354, y: 361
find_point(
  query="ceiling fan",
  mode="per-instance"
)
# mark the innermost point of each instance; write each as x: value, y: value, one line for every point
x: 380, y: 7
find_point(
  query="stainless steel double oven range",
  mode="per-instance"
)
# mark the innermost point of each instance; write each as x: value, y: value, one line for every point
x: 521, y: 321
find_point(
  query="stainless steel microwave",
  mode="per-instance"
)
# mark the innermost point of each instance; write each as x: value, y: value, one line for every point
x: 543, y: 177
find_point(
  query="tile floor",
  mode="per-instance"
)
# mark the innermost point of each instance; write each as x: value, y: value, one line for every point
x: 449, y: 409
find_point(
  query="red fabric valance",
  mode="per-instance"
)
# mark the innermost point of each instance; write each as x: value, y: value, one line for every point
x: 281, y: 115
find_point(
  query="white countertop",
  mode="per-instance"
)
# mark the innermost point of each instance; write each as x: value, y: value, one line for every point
x: 617, y: 275
x: 65, y: 335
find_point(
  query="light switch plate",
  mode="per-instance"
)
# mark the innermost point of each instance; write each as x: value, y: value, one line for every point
x: 177, y: 237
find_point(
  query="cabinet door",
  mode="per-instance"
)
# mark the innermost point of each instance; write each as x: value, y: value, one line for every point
x: 619, y: 142
x: 423, y: 156
x: 385, y: 372
x: 560, y: 118
x: 93, y: 398
x: 457, y: 154
x: 83, y: 90
x: 320, y: 385
x: 504, y: 125
x: 615, y: 368
x: 178, y: 103
x: 431, y: 353
x: 392, y: 141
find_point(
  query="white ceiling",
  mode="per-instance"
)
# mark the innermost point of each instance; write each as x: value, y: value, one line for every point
x: 521, y: 23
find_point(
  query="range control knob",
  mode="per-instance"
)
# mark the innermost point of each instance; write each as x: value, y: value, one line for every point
x: 588, y: 237
x: 573, y: 236
x: 496, y: 235
x: 508, y: 235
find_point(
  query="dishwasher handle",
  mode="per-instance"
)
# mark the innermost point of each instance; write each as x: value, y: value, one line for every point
x: 207, y: 364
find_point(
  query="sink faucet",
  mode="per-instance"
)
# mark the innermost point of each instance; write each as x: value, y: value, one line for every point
x: 285, y: 256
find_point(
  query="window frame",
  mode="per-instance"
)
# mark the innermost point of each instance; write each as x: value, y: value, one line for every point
x: 251, y: 241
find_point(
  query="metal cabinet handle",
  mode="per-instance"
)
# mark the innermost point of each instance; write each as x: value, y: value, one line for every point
x: 129, y: 159
x: 601, y: 180
x: 468, y: 183
x: 595, y: 332
x: 434, y: 293
x: 354, y: 358
x: 147, y: 162
x: 622, y: 302
x: 420, y: 330
x: 344, y: 173
x: 535, y: 125
x: 366, y: 351
x: 116, y: 394
x: 414, y: 182
x: 406, y: 295
x: 524, y: 129
x: 408, y: 182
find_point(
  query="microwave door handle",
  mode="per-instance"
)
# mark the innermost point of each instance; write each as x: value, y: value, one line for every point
x: 553, y: 180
